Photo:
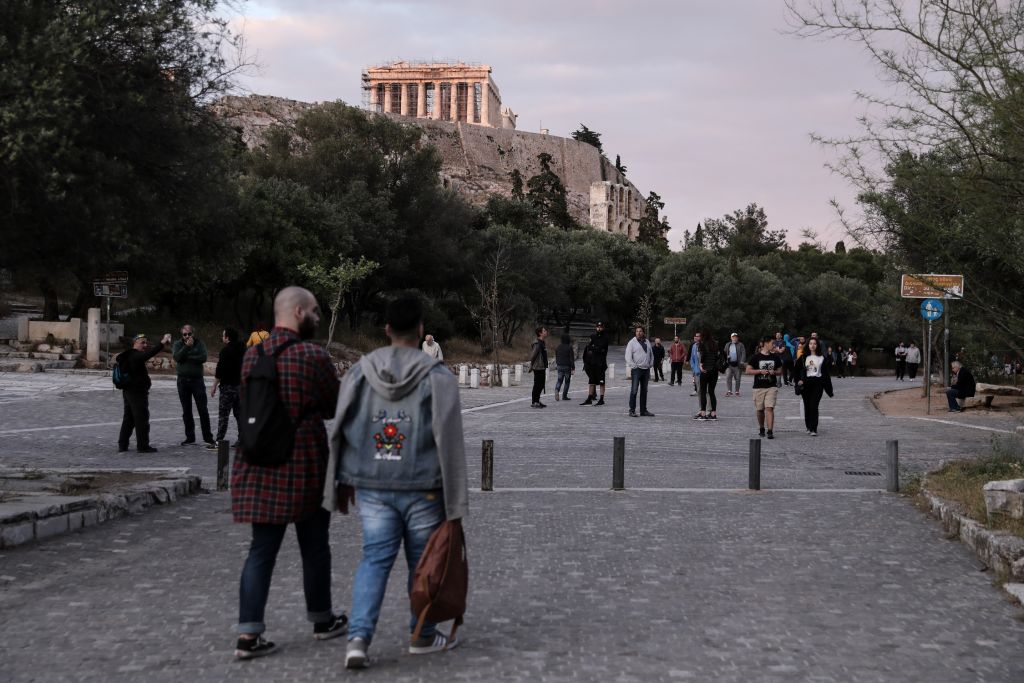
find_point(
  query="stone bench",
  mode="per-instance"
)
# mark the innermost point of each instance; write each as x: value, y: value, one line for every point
x: 985, y: 393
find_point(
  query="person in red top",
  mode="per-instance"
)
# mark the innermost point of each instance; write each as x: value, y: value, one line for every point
x: 272, y: 497
x: 677, y: 356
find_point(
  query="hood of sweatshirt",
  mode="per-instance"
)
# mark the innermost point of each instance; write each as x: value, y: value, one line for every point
x: 394, y: 371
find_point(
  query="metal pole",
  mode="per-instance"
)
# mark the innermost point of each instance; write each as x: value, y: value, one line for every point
x: 108, y: 332
x: 892, y: 466
x: 754, y: 466
x: 945, y: 367
x: 619, y: 464
x: 487, y: 466
x: 928, y: 370
x: 223, y: 456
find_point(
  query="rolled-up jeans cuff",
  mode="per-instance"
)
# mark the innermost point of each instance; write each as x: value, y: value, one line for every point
x: 319, y: 617
x: 251, y: 627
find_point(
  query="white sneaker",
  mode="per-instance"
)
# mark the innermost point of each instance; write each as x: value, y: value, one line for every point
x: 355, y: 654
x: 435, y: 643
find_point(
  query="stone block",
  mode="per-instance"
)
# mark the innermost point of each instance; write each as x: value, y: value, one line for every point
x: 1005, y: 498
x: 75, y: 521
x: 51, y: 526
x: 90, y: 517
x: 16, y: 534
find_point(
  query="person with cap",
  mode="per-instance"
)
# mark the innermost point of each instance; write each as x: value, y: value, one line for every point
x: 736, y: 357
x: 595, y: 362
x: 136, y: 393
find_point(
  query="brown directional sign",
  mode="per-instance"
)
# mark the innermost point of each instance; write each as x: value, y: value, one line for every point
x: 114, y: 277
x: 675, y: 321
x: 932, y: 286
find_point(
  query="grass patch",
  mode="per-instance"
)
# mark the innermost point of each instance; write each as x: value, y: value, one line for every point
x: 962, y: 481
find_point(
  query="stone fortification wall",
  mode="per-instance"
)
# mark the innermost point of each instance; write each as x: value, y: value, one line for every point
x: 476, y: 160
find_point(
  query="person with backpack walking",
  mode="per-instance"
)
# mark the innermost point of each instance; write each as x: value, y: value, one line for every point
x: 227, y: 377
x: 813, y: 379
x: 397, y: 451
x: 132, y: 378
x: 565, y: 361
x: 302, y: 382
x: 189, y: 355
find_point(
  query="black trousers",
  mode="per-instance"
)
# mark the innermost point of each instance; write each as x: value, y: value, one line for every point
x: 658, y: 372
x: 811, y: 395
x: 708, y: 380
x: 135, y: 418
x: 901, y: 369
x: 912, y: 370
x: 676, y: 374
x: 538, y: 385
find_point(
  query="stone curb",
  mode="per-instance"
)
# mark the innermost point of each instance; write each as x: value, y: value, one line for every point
x: 999, y: 550
x: 52, y: 518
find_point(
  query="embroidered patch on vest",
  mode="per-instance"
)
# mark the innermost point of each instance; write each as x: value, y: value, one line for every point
x: 388, y: 440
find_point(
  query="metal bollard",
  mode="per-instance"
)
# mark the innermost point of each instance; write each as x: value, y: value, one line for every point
x: 754, y: 467
x: 223, y: 458
x: 892, y: 466
x: 619, y: 464
x: 487, y: 466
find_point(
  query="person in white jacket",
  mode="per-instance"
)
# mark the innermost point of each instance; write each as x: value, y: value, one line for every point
x: 432, y: 348
x: 639, y: 359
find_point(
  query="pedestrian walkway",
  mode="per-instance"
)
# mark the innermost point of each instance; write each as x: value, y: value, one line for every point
x: 683, y: 576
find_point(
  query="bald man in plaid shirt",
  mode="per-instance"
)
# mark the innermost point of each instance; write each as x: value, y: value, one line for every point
x: 272, y: 497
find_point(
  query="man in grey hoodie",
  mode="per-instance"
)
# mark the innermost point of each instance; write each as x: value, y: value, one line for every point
x: 396, y: 451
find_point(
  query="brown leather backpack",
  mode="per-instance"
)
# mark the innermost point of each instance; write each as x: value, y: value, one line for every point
x: 441, y: 580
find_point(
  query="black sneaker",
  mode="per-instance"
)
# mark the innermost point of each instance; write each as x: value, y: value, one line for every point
x: 712, y: 417
x: 247, y: 648
x: 588, y: 402
x: 147, y: 449
x: 600, y: 401
x: 646, y: 414
x: 337, y: 626
x: 212, y: 446
x: 188, y: 442
x: 632, y: 413
x: 760, y: 432
x: 122, y: 449
x: 770, y: 435
x: 698, y: 416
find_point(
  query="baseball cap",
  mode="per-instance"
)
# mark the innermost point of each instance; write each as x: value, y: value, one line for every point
x: 599, y: 324
x: 735, y: 334
x: 141, y: 335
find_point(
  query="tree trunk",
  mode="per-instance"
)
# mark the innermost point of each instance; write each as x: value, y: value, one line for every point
x: 50, y: 308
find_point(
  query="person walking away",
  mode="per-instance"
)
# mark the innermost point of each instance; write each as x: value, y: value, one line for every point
x: 736, y: 355
x: 270, y: 497
x: 258, y: 336
x: 913, y: 360
x: 765, y: 366
x: 639, y: 358
x: 657, y: 370
x: 228, y: 377
x: 812, y: 379
x: 961, y: 387
x: 539, y: 366
x: 595, y: 363
x: 565, y: 362
x: 676, y: 358
x: 136, y: 394
x: 397, y: 451
x: 710, y: 360
x: 839, y: 360
x: 695, y: 362
x: 432, y: 348
x: 901, y: 361
x: 189, y: 355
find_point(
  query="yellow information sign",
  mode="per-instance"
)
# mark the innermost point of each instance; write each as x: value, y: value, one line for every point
x: 932, y: 286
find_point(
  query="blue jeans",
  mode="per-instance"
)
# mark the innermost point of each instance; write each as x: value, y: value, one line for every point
x: 259, y: 569
x: 951, y: 398
x: 564, y: 373
x: 190, y: 388
x: 639, y: 378
x: 390, y: 517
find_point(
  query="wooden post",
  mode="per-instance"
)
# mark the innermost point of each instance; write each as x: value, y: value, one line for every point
x: 754, y: 466
x: 223, y: 459
x: 619, y: 464
x: 487, y: 466
x: 892, y: 466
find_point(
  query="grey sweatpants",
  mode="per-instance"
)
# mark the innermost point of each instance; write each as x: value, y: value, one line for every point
x: 733, y: 374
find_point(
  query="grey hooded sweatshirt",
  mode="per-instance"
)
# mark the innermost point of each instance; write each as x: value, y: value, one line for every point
x: 398, y: 426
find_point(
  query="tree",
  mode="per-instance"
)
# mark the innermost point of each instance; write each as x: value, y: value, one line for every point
x: 106, y: 144
x: 517, y: 184
x: 337, y: 281
x: 548, y: 195
x: 619, y: 166
x: 652, y: 230
x: 591, y: 137
x: 951, y: 143
x: 743, y: 233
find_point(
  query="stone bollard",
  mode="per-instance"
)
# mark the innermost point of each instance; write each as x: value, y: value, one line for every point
x: 505, y: 380
x: 92, y: 336
x: 463, y: 375
x: 611, y: 372
x: 619, y: 463
x: 519, y: 373
x: 474, y: 378
x: 487, y: 466
x: 892, y: 466
x: 754, y: 466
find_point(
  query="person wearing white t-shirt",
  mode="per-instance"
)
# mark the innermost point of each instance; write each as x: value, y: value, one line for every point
x: 813, y: 379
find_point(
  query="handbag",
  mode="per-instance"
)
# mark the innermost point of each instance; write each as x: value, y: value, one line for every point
x: 798, y: 388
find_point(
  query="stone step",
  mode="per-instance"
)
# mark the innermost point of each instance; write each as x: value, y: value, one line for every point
x: 45, y: 355
x: 59, y: 364
x: 15, y: 354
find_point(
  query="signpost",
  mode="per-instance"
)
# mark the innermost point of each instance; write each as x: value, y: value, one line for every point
x: 675, y: 322
x: 931, y: 310
x: 933, y: 286
x: 113, y: 285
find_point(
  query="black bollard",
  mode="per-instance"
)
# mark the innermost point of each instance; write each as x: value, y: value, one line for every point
x: 487, y: 467
x: 619, y: 464
x: 754, y: 468
x: 223, y: 457
x: 892, y: 466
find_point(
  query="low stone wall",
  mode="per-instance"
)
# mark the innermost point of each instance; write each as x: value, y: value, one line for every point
x: 998, y: 550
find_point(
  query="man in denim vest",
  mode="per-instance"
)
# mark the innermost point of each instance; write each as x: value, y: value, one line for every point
x: 397, y: 451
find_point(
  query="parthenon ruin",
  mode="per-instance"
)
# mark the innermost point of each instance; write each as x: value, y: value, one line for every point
x: 445, y: 91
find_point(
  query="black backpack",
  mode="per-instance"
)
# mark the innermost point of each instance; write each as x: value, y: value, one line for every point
x: 265, y: 431
x: 120, y: 375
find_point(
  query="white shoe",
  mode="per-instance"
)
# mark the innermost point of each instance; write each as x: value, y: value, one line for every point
x: 439, y: 642
x: 355, y: 654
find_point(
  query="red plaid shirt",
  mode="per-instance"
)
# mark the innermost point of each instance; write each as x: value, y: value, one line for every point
x: 290, y: 492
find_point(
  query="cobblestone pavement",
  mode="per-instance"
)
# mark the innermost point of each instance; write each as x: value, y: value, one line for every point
x: 685, y: 576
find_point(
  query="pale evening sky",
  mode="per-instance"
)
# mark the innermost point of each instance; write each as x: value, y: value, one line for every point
x: 709, y: 103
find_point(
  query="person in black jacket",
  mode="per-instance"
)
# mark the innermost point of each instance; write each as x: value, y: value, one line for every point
x: 659, y: 359
x: 961, y: 386
x: 565, y: 362
x: 813, y: 377
x: 228, y: 376
x: 136, y: 394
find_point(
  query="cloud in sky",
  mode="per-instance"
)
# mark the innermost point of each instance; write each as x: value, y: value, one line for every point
x: 710, y: 104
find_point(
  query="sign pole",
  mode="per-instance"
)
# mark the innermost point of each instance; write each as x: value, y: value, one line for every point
x: 945, y: 368
x: 107, y: 335
x: 928, y: 368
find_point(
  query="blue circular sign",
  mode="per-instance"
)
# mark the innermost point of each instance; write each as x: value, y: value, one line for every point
x: 931, y: 309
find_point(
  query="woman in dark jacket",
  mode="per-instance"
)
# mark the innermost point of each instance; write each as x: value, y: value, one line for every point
x: 709, y: 355
x: 813, y: 378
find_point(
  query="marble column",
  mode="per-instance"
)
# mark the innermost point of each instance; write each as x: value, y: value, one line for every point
x: 387, y: 98
x: 436, y: 114
x: 403, y: 104
x: 485, y: 103
x: 453, y: 107
x: 374, y: 104
x: 421, y: 100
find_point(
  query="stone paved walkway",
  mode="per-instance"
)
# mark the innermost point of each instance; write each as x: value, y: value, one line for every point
x: 685, y: 576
